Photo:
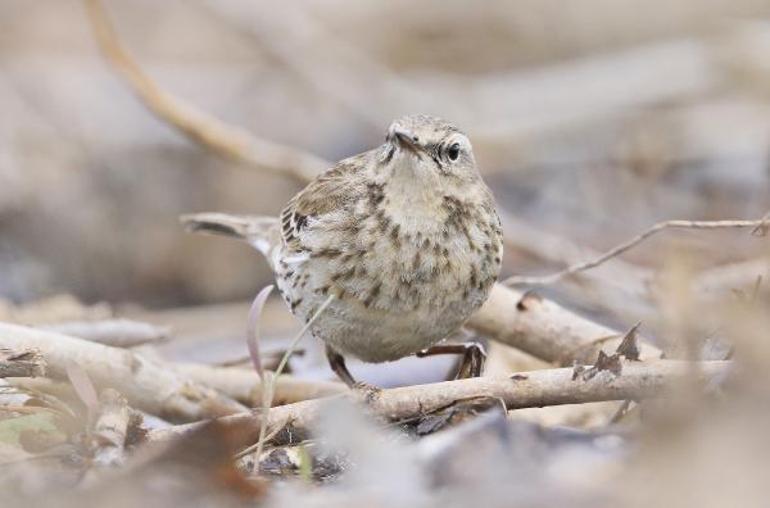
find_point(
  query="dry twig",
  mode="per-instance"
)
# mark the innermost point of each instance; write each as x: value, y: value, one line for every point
x: 226, y: 140
x: 637, y: 380
x: 544, y: 329
x: 518, y: 280
x: 147, y: 385
x: 269, y: 381
x: 245, y: 386
x: 112, y: 332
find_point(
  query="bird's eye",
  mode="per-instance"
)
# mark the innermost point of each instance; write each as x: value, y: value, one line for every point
x: 453, y: 152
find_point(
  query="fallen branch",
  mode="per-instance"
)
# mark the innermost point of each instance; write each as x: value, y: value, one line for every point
x: 544, y: 329
x: 112, y: 332
x: 637, y: 380
x: 758, y: 227
x: 245, y: 386
x: 147, y: 385
x: 22, y: 362
x: 224, y: 139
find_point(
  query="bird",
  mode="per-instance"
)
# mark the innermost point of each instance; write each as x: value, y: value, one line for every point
x: 404, y: 240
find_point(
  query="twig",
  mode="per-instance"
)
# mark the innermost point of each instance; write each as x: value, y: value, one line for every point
x: 21, y: 363
x: 226, y: 140
x: 112, y: 332
x: 601, y: 289
x: 518, y: 280
x: 245, y: 386
x: 253, y: 331
x: 637, y: 380
x: 270, y: 380
x: 147, y: 385
x: 544, y: 329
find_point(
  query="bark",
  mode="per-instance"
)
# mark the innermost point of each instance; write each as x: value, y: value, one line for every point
x: 636, y: 380
x: 244, y: 385
x: 147, y: 385
x: 546, y: 330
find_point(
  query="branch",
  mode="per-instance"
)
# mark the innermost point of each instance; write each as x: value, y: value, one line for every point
x: 226, y: 140
x: 147, y: 385
x: 758, y: 228
x: 636, y: 380
x: 544, y: 329
x: 124, y: 333
x: 245, y: 386
x: 22, y: 362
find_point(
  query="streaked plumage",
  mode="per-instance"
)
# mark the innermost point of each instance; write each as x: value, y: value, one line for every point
x: 405, y: 237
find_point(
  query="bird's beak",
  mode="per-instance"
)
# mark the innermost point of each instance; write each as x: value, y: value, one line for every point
x: 405, y: 140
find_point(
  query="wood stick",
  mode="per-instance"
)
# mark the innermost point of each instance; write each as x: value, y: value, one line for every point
x: 112, y: 332
x: 147, y: 385
x: 544, y: 329
x: 636, y: 380
x: 226, y: 140
x: 245, y: 386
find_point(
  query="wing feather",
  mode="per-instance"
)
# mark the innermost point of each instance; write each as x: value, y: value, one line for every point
x: 333, y: 192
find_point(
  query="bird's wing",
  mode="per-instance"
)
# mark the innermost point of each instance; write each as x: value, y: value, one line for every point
x: 326, y: 204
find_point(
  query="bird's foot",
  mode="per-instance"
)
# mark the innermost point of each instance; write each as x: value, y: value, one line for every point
x: 473, y: 357
x: 366, y: 391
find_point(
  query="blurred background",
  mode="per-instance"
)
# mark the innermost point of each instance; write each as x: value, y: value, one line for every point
x: 590, y: 120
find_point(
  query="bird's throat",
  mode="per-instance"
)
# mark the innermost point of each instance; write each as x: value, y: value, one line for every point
x: 413, y: 200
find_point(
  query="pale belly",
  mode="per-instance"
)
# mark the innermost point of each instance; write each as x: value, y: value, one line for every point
x: 386, y: 336
x: 391, y: 326
x: 395, y: 292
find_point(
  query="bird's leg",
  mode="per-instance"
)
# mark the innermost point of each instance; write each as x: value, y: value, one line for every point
x: 473, y: 359
x: 337, y: 363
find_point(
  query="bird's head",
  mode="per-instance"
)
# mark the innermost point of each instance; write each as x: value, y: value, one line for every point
x: 428, y: 147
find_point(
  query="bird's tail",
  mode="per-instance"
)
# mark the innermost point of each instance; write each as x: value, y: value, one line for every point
x: 259, y: 231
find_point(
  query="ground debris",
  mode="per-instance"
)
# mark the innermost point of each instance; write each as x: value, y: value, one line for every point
x: 454, y: 414
x: 629, y: 346
x: 604, y: 362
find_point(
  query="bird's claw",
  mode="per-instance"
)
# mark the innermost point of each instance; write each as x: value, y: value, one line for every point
x: 367, y: 391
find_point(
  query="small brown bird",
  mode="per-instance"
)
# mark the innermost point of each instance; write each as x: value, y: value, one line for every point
x: 405, y: 237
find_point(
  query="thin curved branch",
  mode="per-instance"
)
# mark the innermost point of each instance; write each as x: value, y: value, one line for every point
x: 226, y: 140
x: 758, y: 227
x: 146, y: 384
